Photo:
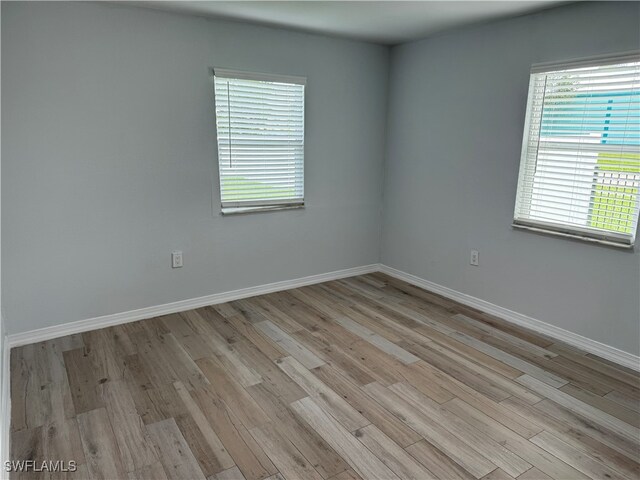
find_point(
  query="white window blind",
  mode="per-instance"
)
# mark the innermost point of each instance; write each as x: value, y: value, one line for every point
x: 580, y: 164
x: 260, y: 129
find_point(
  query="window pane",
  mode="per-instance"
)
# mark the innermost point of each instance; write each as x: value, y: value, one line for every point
x: 580, y: 166
x: 260, y: 127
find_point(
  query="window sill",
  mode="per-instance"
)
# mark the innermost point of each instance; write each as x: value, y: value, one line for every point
x: 573, y: 236
x: 266, y: 208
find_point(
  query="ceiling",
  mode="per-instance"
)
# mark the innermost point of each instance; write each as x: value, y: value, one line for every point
x: 385, y: 22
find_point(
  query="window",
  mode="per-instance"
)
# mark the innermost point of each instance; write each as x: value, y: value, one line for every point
x: 260, y: 127
x: 580, y: 164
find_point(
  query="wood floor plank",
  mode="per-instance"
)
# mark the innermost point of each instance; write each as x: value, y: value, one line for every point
x: 27, y: 444
x: 282, y: 319
x: 575, y: 376
x: 284, y: 455
x: 458, y: 370
x: 458, y: 450
x: 131, y: 435
x: 428, y: 318
x: 495, y: 332
x: 233, y: 473
x: 311, y: 445
x: 475, y: 438
x: 609, y: 406
x: 534, y: 474
x: 61, y: 440
x: 186, y: 333
x: 469, y: 353
x: 248, y: 311
x: 506, y: 326
x: 577, y: 459
x: 290, y: 345
x: 617, y: 366
x: 248, y: 456
x: 509, y: 359
x: 384, y: 321
x: 418, y: 375
x: 270, y: 349
x: 40, y: 391
x: 314, y: 341
x: 609, y: 383
x: 382, y: 367
x: 277, y: 476
x: 51, y: 441
x: 437, y: 462
x: 166, y: 361
x: 234, y: 396
x: 390, y: 453
x: 504, y: 416
x: 363, y: 403
x: 396, y: 316
x: 347, y: 475
x: 586, y: 439
x: 102, y: 349
x: 198, y: 444
x: 100, y: 446
x: 153, y: 402
x: 84, y: 382
x: 526, y: 450
x: 566, y: 400
x: 176, y: 324
x: 413, y: 292
x: 627, y: 401
x: 304, y: 313
x: 578, y: 426
x: 151, y: 472
x: 382, y: 343
x: 273, y: 378
x: 218, y: 453
x: 222, y: 337
x: 330, y: 401
x: 21, y: 391
x: 176, y: 457
x: 311, y: 298
x: 590, y: 363
x: 339, y: 358
x: 354, y: 379
x: 366, y: 464
x: 226, y: 310
x: 498, y: 474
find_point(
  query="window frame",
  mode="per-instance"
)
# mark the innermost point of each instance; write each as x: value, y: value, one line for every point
x: 586, y: 234
x: 264, y: 205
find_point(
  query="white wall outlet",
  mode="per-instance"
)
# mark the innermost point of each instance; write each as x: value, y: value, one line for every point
x: 176, y: 259
x: 474, y: 257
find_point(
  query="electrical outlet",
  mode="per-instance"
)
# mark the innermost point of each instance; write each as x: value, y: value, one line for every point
x: 474, y: 257
x: 176, y: 259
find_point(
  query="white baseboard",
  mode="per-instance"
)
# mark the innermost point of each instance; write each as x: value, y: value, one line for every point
x: 80, y: 326
x: 588, y: 345
x: 5, y: 406
x: 592, y: 346
x: 610, y: 353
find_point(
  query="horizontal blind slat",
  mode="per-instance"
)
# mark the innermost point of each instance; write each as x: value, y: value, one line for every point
x: 580, y: 162
x: 260, y: 130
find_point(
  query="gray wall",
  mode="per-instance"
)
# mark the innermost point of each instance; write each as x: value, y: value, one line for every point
x: 456, y: 116
x: 109, y: 164
x: 110, y: 160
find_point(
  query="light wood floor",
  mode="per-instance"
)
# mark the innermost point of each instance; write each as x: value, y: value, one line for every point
x: 367, y: 377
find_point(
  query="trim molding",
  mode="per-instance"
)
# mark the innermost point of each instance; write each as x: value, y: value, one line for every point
x: 48, y: 333
x: 5, y: 406
x: 592, y: 346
